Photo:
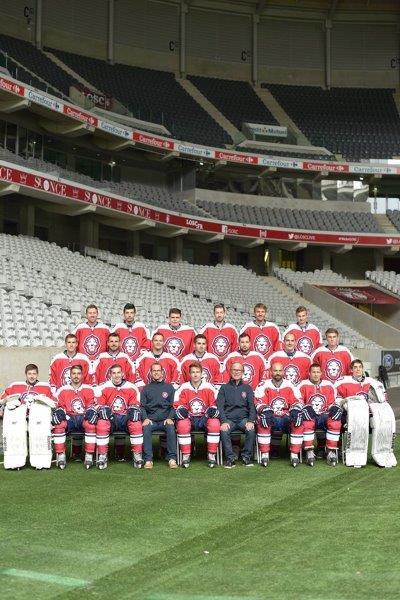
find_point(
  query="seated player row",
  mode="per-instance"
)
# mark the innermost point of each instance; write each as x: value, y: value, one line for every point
x: 276, y: 407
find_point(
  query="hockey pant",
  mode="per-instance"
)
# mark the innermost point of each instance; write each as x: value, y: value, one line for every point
x: 272, y: 436
x: 329, y: 427
x: 185, y: 426
x: 120, y: 423
x: 75, y: 424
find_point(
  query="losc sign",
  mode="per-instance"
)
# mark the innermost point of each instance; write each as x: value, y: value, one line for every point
x: 390, y: 359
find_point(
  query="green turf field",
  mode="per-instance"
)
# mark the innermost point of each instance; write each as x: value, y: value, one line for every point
x: 200, y: 534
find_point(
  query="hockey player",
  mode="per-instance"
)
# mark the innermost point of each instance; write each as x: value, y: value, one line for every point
x: 211, y: 369
x: 235, y: 403
x: 334, y: 359
x: 102, y: 366
x: 156, y: 401
x: 195, y: 409
x: 61, y: 364
x: 253, y: 363
x: 295, y: 363
x: 264, y: 335
x: 28, y: 389
x: 308, y: 336
x: 320, y: 413
x: 119, y: 410
x: 134, y: 336
x: 75, y: 412
x: 157, y: 355
x: 279, y: 410
x: 222, y: 337
x: 178, y: 338
x: 92, y: 335
x: 356, y: 389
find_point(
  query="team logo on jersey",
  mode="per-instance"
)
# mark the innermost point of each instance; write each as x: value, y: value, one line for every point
x: 92, y: 345
x: 262, y: 344
x: 305, y: 345
x: 278, y: 405
x: 363, y: 395
x: 118, y: 405
x: 164, y: 394
x: 318, y: 403
x: 174, y: 346
x: 77, y: 406
x: 197, y: 407
x: 27, y: 398
x: 244, y: 395
x: 66, y: 376
x: 205, y: 374
x: 220, y: 345
x: 334, y: 368
x: 248, y: 372
x: 130, y: 346
x: 292, y: 374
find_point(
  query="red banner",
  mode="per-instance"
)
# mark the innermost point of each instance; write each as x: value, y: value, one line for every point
x: 360, y: 294
x: 153, y: 140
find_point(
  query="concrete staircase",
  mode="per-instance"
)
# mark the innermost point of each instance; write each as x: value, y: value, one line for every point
x: 280, y: 115
x: 222, y: 121
x: 386, y: 225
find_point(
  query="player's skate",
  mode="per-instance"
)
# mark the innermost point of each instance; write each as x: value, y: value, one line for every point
x: 332, y: 458
x: 138, y: 461
x: 61, y: 460
x: 212, y: 461
x: 264, y: 462
x: 186, y: 461
x: 294, y: 459
x: 310, y: 458
x: 88, y: 464
x: 102, y: 462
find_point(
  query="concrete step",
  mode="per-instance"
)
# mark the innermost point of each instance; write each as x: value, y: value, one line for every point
x: 280, y: 115
x: 229, y: 127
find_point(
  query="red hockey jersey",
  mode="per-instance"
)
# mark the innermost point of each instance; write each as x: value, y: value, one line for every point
x: 210, y: 364
x: 221, y: 341
x: 348, y: 386
x: 75, y: 401
x: 280, y: 399
x: 196, y: 401
x: 27, y: 392
x: 178, y: 342
x: 134, y: 339
x: 119, y: 397
x: 102, y: 367
x: 264, y: 339
x: 60, y: 369
x: 92, y: 341
x: 320, y: 396
x: 295, y: 368
x: 334, y: 364
x: 253, y: 364
x: 308, y: 338
x: 168, y: 362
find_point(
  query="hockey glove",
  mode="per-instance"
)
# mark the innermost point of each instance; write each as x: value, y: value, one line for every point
x: 266, y: 416
x: 296, y: 417
x: 58, y: 416
x: 134, y: 413
x: 105, y: 413
x: 335, y: 412
x: 212, y: 412
x: 309, y: 413
x: 181, y: 412
x: 91, y: 416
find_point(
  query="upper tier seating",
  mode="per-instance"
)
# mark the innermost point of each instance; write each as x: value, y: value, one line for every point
x: 386, y: 279
x: 358, y: 123
x: 151, y: 95
x: 234, y: 99
x: 287, y: 153
x: 295, y: 279
x: 394, y: 217
x: 317, y: 220
x: 37, y: 62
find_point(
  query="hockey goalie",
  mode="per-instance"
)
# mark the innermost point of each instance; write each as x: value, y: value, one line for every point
x: 27, y: 409
x: 364, y: 400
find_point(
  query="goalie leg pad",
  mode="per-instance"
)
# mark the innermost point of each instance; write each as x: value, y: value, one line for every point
x: 383, y: 426
x: 356, y: 443
x: 40, y: 450
x: 14, y: 437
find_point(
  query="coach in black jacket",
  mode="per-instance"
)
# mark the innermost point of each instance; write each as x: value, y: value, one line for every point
x: 235, y: 403
x: 156, y: 400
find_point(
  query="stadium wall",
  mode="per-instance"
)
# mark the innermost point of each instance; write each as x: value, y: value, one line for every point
x: 14, y: 360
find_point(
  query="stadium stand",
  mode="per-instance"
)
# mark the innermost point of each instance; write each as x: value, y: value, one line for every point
x: 332, y: 118
x: 37, y: 63
x: 151, y: 95
x: 287, y: 153
x: 394, y: 217
x: 315, y: 220
x: 295, y: 279
x: 235, y: 99
x: 389, y: 280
